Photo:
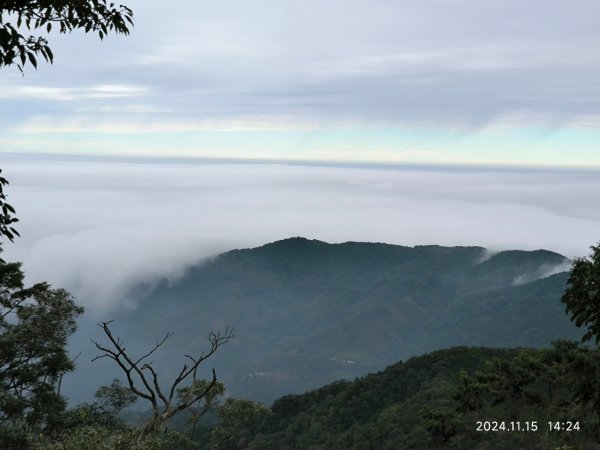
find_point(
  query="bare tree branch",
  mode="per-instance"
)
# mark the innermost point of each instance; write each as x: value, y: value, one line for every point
x: 158, y: 344
x: 188, y: 403
x: 148, y: 377
x: 125, y: 363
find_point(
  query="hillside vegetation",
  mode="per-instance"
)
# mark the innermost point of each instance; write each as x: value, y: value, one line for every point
x: 436, y: 401
x: 306, y: 313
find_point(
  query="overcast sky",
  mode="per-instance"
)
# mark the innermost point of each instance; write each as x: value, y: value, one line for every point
x: 446, y: 81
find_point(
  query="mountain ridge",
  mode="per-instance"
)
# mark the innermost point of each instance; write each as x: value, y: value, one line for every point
x: 307, y: 312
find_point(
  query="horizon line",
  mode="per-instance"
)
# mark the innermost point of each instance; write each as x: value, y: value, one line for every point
x: 391, y: 164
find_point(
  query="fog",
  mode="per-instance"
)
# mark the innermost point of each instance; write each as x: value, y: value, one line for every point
x: 102, y: 228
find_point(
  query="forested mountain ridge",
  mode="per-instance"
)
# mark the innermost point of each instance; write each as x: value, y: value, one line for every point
x: 448, y: 399
x: 307, y: 313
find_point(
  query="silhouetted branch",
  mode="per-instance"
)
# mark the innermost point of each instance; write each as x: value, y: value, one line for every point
x: 148, y: 376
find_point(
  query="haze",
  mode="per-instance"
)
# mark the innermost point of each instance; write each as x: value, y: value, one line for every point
x: 102, y: 227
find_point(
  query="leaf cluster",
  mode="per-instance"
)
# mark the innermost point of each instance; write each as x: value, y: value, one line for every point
x: 582, y: 297
x: 42, y: 16
x: 6, y: 214
x: 240, y: 421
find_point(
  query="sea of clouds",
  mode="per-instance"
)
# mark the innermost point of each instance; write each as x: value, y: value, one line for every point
x: 103, y: 227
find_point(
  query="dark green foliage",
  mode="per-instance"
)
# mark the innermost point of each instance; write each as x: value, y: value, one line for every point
x: 206, y: 397
x: 434, y: 401
x: 6, y: 214
x: 240, y: 420
x: 556, y: 384
x: 582, y: 297
x: 308, y: 313
x: 96, y: 16
x: 99, y: 425
x: 442, y: 425
x: 35, y: 323
x: 104, y: 412
x: 380, y: 411
x: 115, y: 397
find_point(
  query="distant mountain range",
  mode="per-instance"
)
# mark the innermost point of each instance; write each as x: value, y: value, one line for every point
x: 306, y: 312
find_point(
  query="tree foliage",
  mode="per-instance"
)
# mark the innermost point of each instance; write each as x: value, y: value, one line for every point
x: 35, y: 323
x: 19, y: 17
x: 6, y: 214
x: 241, y: 418
x: 547, y: 385
x: 582, y: 297
x: 433, y: 402
x: 201, y: 397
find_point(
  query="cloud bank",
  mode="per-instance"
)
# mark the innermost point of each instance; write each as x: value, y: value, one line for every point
x: 101, y: 228
x: 437, y: 64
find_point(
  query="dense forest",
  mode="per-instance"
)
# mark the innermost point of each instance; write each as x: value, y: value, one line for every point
x: 461, y: 397
x: 437, y: 401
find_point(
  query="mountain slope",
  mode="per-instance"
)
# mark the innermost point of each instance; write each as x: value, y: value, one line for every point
x: 307, y: 312
x: 417, y: 405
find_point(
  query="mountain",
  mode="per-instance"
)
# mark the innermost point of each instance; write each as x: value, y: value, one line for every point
x: 422, y: 404
x: 306, y: 312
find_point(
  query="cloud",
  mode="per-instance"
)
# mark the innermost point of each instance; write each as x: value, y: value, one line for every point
x: 413, y: 63
x: 103, y: 227
x: 53, y: 93
x: 121, y: 120
x: 544, y: 271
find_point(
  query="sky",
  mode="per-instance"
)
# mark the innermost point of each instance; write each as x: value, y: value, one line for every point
x: 445, y: 82
x: 218, y: 125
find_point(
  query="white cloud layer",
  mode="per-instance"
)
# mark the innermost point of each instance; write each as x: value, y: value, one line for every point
x: 100, y: 228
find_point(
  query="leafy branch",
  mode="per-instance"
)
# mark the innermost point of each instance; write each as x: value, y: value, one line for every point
x: 96, y: 16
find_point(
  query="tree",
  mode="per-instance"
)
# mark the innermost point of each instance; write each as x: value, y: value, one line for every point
x: 104, y: 412
x: 201, y: 405
x: 96, y: 16
x: 6, y: 214
x: 35, y: 324
x: 114, y: 398
x: 143, y: 381
x: 241, y: 419
x: 441, y: 425
x: 582, y: 297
